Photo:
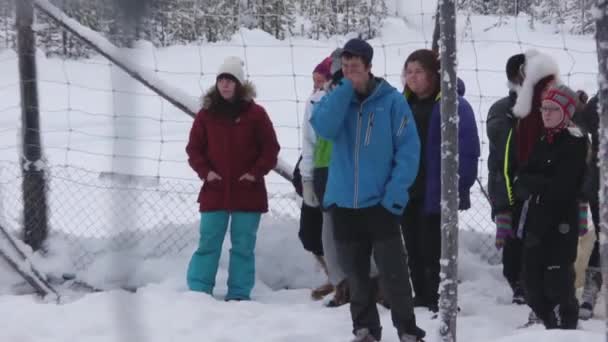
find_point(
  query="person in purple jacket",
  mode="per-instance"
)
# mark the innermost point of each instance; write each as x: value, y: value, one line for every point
x: 421, y: 221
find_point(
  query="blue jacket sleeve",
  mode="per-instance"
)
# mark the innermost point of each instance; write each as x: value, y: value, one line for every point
x: 329, y: 114
x: 468, y: 146
x: 406, y: 147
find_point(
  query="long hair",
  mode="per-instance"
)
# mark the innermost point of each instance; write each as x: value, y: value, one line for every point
x: 429, y: 62
x: 530, y: 128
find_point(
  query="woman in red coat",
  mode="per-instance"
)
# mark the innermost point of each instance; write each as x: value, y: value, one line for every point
x: 232, y: 146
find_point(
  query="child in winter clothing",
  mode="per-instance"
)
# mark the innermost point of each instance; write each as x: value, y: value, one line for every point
x: 311, y: 217
x: 232, y: 146
x: 549, y: 184
x: 316, y: 154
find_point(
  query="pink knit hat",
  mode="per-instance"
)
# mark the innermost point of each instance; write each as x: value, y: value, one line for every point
x: 324, y: 68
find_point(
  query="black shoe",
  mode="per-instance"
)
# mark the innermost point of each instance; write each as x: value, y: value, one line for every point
x: 419, y: 301
x: 415, y: 335
x: 585, y: 312
x: 518, y: 296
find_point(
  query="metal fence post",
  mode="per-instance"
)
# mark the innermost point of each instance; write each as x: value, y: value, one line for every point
x: 34, y: 187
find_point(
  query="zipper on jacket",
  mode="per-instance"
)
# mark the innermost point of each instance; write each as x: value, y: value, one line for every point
x: 228, y: 177
x: 370, y: 126
x: 357, y: 143
x: 402, y: 126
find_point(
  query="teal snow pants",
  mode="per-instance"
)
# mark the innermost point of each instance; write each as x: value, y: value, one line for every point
x: 241, y: 269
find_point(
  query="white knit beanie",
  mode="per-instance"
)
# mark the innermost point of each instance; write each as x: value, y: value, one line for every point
x: 233, y: 66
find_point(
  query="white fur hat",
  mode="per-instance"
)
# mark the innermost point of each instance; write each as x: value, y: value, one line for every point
x: 233, y: 66
x: 537, y: 66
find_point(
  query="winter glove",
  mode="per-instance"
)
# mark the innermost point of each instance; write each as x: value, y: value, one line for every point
x: 504, y: 228
x: 308, y: 194
x: 583, y: 224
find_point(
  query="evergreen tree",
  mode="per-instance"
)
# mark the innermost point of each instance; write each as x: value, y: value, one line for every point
x: 372, y: 12
x: 579, y: 13
x: 49, y: 35
x: 184, y: 22
x: 7, y: 25
x: 282, y: 19
x: 324, y: 24
x: 551, y: 12
x: 350, y: 16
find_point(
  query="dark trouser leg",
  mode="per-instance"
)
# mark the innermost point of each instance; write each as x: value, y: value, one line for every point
x: 512, y: 262
x: 559, y: 289
x: 594, y: 260
x: 432, y: 254
x: 533, y: 277
x: 311, y: 221
x: 354, y: 246
x: 412, y: 229
x: 391, y: 258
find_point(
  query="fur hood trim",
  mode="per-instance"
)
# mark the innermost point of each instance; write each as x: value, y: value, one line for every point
x: 537, y: 66
x: 249, y: 94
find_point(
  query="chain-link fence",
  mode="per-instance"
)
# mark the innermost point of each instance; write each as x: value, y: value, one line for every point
x: 158, y: 217
x: 159, y: 214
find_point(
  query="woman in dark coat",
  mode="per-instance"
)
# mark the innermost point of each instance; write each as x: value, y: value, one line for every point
x: 421, y: 222
x: 549, y: 184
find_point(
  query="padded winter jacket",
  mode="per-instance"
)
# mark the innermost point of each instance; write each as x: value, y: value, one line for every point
x: 499, y: 128
x: 376, y: 149
x: 468, y: 155
x: 233, y: 145
x: 551, y: 180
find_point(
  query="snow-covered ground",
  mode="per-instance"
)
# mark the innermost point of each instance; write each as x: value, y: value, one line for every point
x: 81, y: 107
x: 165, y: 311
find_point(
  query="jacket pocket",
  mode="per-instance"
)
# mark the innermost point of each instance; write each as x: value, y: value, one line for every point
x: 368, y: 131
x: 246, y: 184
x: 214, y: 185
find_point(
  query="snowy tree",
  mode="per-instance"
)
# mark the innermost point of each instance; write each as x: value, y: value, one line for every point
x: 372, y: 13
x: 49, y: 35
x: 474, y: 6
x: 167, y: 22
x: 350, y: 16
x: 551, y: 12
x: 262, y: 13
x: 282, y: 18
x: 579, y: 12
x: 184, y: 22
x: 216, y: 20
x: 7, y: 24
x: 324, y: 22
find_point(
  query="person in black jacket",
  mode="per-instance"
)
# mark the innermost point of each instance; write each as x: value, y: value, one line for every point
x: 549, y: 184
x: 499, y: 127
x: 588, y: 119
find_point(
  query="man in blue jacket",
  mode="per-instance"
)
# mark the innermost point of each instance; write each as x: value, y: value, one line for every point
x: 375, y: 156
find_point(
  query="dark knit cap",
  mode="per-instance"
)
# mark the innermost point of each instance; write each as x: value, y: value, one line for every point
x: 514, y: 64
